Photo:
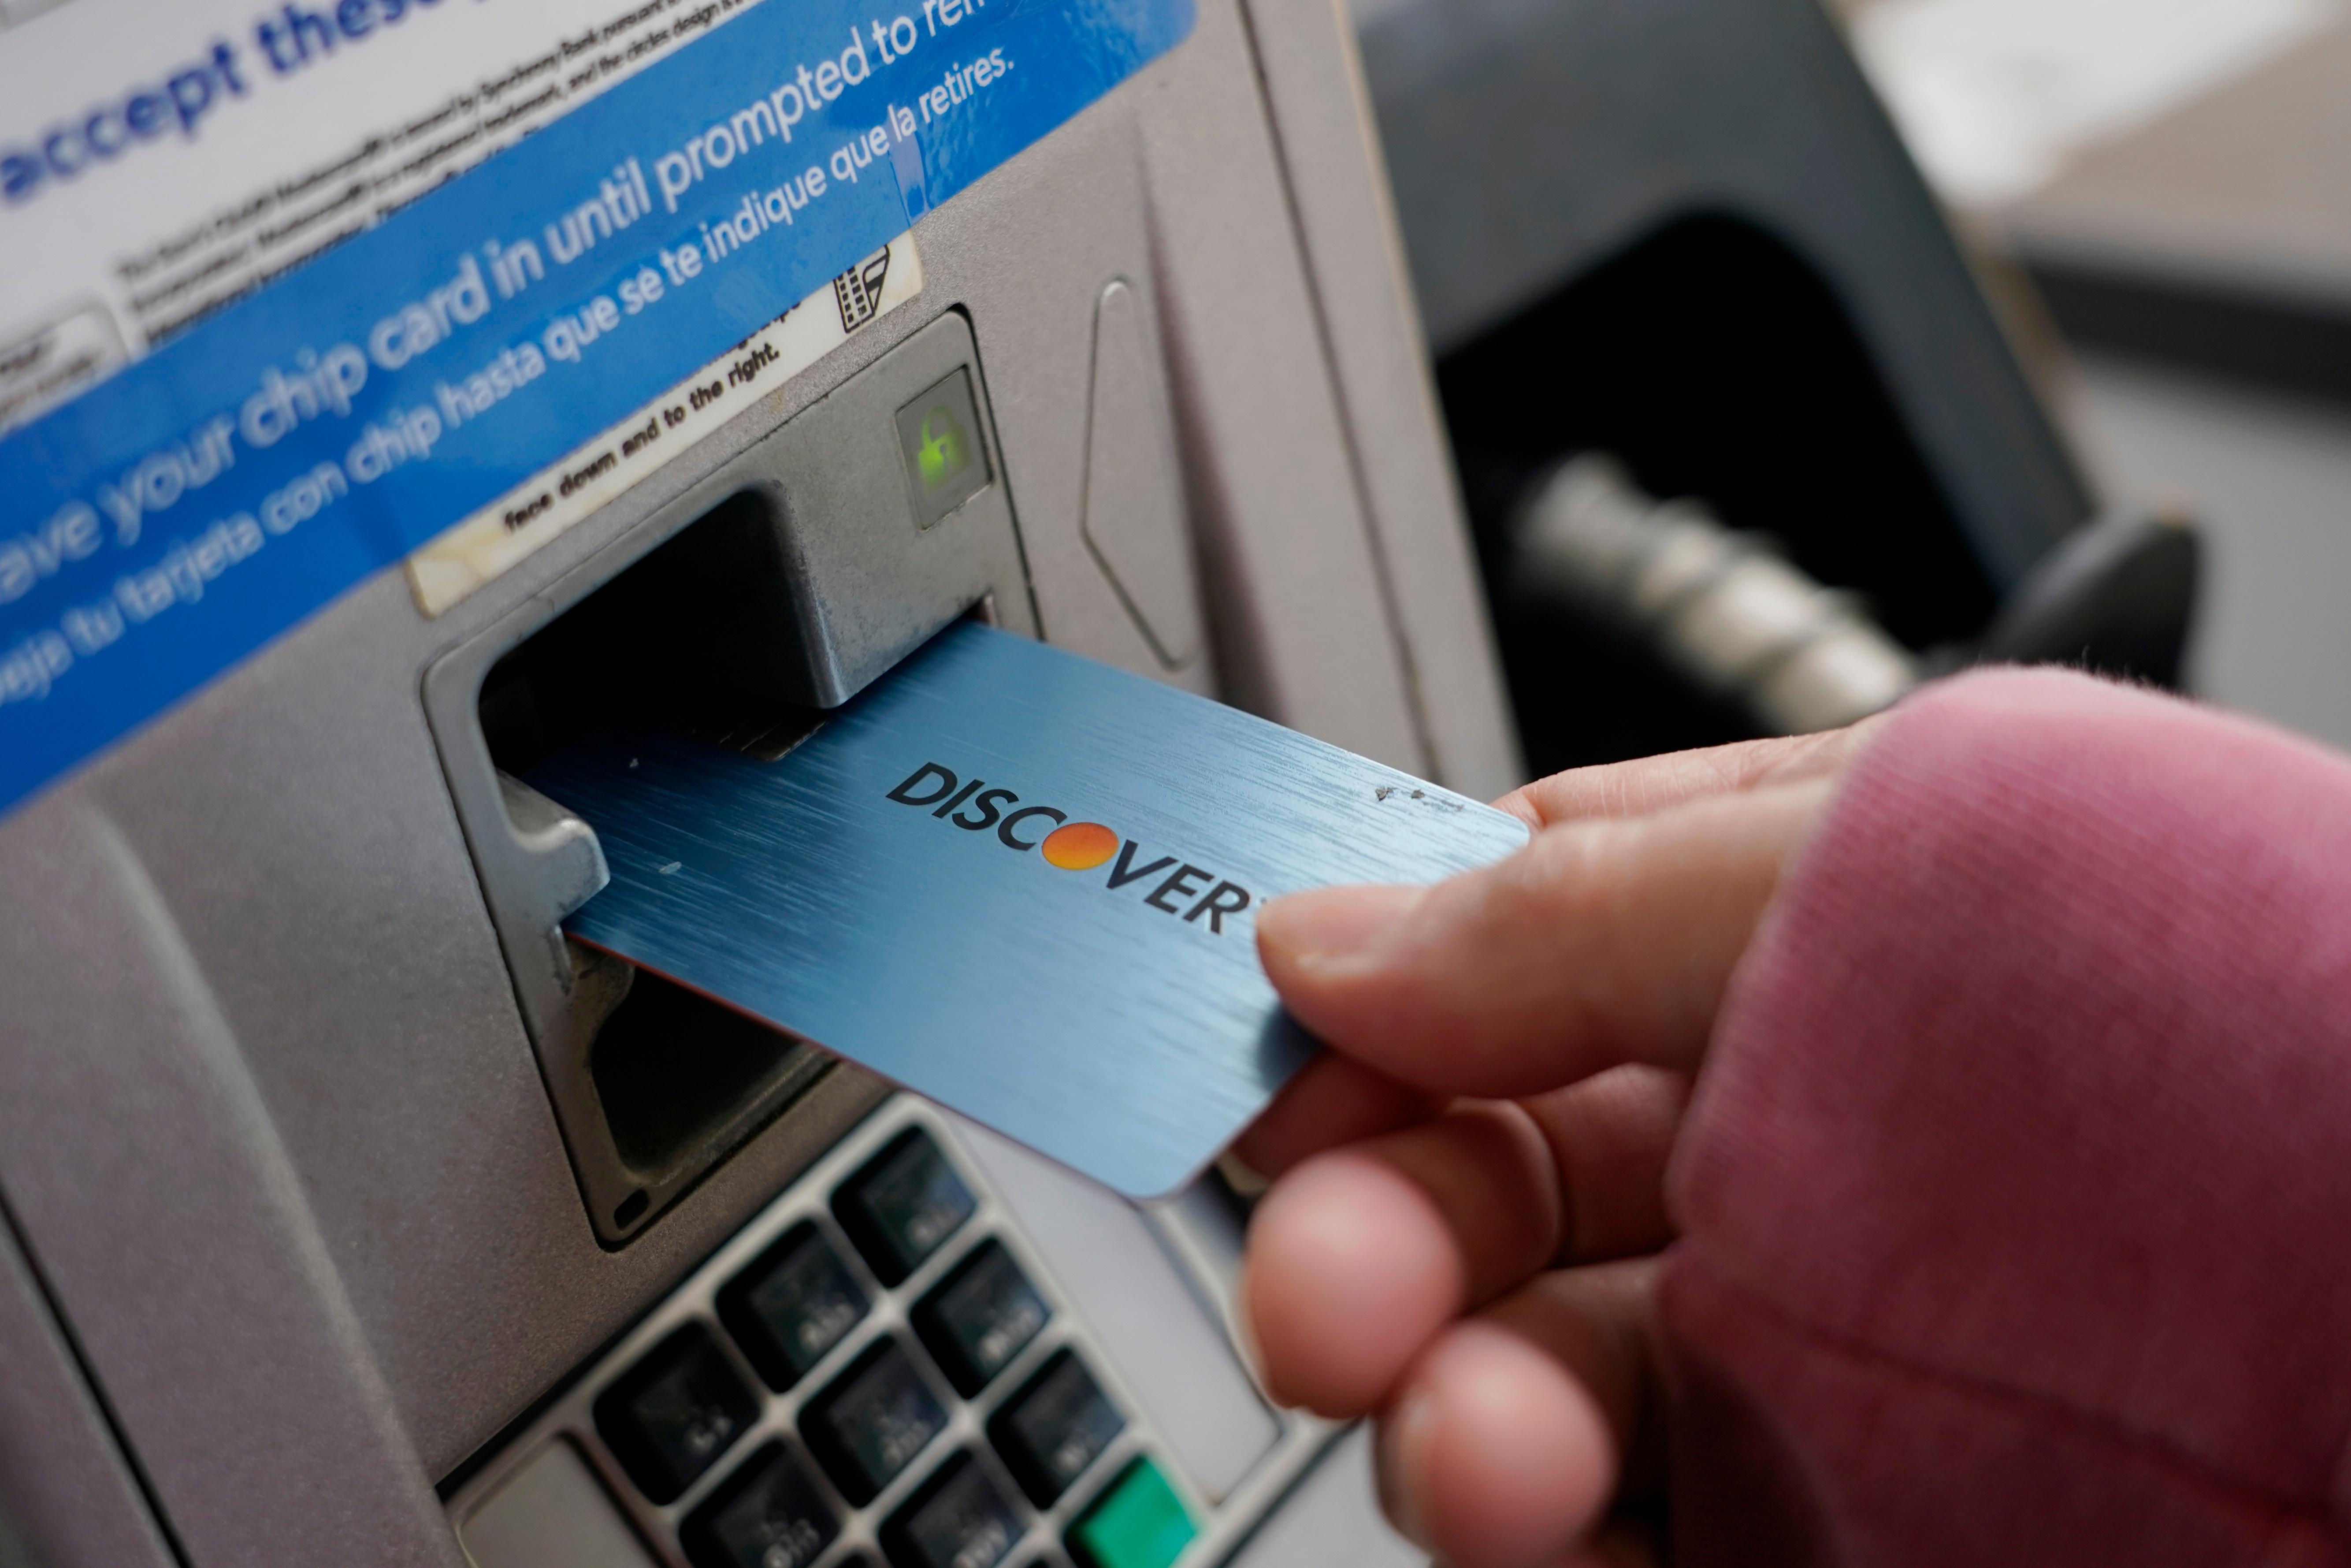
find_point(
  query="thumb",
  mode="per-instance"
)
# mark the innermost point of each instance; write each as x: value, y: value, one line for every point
x: 1602, y: 942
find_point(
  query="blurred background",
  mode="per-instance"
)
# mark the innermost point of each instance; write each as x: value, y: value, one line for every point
x: 2175, y: 178
x: 1911, y: 327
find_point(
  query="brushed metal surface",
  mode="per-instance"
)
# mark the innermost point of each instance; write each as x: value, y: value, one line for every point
x: 1127, y: 1038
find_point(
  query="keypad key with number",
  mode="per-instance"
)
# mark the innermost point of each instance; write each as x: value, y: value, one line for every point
x: 1054, y: 1428
x: 767, y: 1514
x: 671, y: 1414
x: 979, y: 1317
x: 958, y: 1519
x: 791, y: 1307
x: 872, y: 1421
x: 904, y: 1203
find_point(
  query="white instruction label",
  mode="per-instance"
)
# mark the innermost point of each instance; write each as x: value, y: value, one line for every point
x: 539, y: 510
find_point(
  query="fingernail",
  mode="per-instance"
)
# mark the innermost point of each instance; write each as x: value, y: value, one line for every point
x: 1332, y: 925
x: 1248, y: 1182
x: 1403, y: 1435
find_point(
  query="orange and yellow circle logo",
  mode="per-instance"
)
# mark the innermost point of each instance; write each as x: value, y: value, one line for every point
x: 1079, y: 846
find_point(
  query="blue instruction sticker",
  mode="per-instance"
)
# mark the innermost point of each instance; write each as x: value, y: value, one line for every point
x: 191, y: 508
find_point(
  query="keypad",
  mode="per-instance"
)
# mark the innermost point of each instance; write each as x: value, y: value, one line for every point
x: 903, y: 1206
x: 1057, y: 1424
x: 672, y: 1415
x: 792, y: 1306
x: 875, y: 1374
x: 767, y: 1514
x: 980, y: 1316
x: 957, y: 1520
x: 873, y: 1422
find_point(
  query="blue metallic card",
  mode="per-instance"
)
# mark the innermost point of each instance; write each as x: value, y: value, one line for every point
x: 1016, y: 881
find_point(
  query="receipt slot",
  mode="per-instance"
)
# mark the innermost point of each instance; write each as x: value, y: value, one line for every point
x: 775, y: 588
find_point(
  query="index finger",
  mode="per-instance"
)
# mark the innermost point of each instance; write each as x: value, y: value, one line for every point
x: 1600, y: 942
x: 1649, y: 784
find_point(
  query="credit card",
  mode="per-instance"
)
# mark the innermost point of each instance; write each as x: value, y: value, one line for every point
x: 1014, y: 881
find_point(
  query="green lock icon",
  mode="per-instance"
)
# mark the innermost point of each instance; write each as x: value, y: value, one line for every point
x: 944, y: 451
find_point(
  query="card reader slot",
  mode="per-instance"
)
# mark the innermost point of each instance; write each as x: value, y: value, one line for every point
x: 700, y: 634
x: 795, y: 572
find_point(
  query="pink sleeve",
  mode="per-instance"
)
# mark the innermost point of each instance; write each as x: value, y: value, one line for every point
x: 2016, y: 1195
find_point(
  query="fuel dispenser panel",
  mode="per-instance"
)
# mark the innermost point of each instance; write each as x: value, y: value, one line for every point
x: 336, y: 1173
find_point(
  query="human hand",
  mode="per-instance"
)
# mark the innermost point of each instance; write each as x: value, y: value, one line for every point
x: 1470, y: 1182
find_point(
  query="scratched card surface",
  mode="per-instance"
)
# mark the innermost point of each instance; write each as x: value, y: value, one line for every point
x: 1014, y: 881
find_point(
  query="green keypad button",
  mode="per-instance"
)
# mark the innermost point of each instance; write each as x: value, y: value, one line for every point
x: 1139, y: 1522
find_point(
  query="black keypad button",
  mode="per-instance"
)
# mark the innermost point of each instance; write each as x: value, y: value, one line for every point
x: 872, y: 1421
x: 672, y: 1415
x: 980, y: 1317
x: 958, y: 1519
x: 791, y: 1306
x: 1057, y: 1424
x: 767, y: 1514
x: 903, y: 1205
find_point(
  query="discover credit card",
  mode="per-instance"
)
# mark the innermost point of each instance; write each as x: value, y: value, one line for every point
x: 1014, y: 881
